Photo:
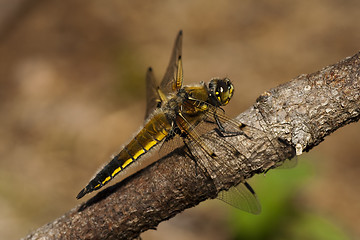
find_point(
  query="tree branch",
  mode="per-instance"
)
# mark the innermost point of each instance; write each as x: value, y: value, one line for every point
x: 295, y: 116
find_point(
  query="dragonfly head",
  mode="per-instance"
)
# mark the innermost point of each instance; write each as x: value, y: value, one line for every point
x: 220, y: 91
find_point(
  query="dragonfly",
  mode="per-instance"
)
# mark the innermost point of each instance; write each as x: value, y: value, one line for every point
x: 177, y: 111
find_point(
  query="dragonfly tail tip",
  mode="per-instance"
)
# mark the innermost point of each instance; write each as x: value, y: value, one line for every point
x: 82, y: 193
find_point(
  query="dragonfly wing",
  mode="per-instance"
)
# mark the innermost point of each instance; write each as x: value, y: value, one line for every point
x: 231, y: 127
x: 207, y: 153
x: 242, y: 197
x: 153, y: 99
x: 172, y: 80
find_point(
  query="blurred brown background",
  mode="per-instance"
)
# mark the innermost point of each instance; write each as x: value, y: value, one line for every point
x: 72, y: 93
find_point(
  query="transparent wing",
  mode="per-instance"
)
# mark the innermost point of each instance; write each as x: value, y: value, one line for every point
x: 172, y: 79
x: 242, y: 197
x: 153, y: 100
x: 206, y: 154
x: 171, y: 82
x: 172, y: 142
x: 232, y: 127
x: 276, y: 142
x: 211, y: 162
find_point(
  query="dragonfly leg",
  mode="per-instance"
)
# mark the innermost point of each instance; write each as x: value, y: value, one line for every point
x: 223, y: 131
x: 247, y: 185
x: 189, y: 153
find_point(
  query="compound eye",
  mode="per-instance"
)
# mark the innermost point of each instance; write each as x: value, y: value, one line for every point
x: 226, y: 92
x: 222, y: 90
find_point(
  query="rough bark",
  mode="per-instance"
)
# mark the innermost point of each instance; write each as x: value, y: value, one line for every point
x: 295, y: 116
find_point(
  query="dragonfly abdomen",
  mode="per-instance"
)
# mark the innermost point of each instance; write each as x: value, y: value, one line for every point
x: 154, y: 132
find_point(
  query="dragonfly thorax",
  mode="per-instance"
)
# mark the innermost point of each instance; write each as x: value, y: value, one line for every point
x: 220, y: 91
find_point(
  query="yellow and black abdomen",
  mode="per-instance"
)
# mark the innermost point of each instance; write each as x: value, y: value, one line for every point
x: 154, y: 132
